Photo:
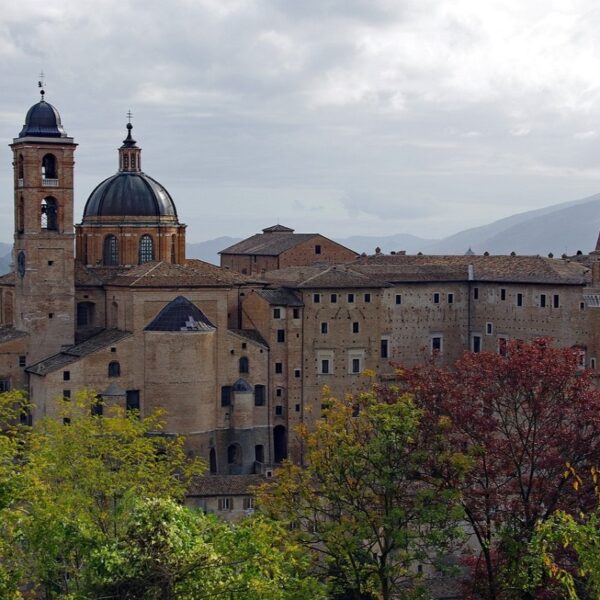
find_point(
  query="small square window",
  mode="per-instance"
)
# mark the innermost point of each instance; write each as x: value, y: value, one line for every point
x: 450, y: 298
x: 66, y: 421
x: 50, y: 263
x: 113, y: 349
x: 244, y: 345
x: 22, y: 361
x: 277, y: 313
x: 5, y: 385
x: 51, y: 315
x: 296, y: 313
x: 436, y: 343
x: 278, y: 368
x: 355, y: 327
x: 297, y: 373
x: 316, y: 298
x: 278, y: 410
x: 67, y: 394
x: 333, y: 298
x: 66, y: 375
x: 279, y: 392
x: 398, y: 298
x: 324, y: 327
x: 350, y: 298
x: 475, y: 293
x: 582, y: 306
x: 367, y: 298
x: 436, y: 297
x: 502, y: 293
x: 318, y: 249
x: 519, y: 299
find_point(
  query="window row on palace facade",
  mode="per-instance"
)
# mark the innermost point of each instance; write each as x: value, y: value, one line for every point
x: 227, y: 503
x: 326, y: 361
x: 111, y: 255
x: 334, y: 297
x: 260, y: 395
x: 541, y: 300
x: 279, y: 312
x: 325, y: 329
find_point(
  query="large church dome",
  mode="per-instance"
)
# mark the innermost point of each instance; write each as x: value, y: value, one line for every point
x: 132, y: 194
x: 42, y: 120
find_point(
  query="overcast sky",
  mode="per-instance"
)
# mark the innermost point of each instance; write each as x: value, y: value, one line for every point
x: 339, y: 116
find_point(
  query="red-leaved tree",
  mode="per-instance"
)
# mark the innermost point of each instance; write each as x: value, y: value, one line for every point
x: 513, y: 422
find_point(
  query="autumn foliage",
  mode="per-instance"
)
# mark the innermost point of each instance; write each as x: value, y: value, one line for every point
x: 513, y: 423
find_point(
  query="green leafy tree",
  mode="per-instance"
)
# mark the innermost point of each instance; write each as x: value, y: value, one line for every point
x: 362, y: 503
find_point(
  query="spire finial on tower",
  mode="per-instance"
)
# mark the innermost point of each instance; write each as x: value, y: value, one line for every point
x: 129, y: 142
x: 42, y: 85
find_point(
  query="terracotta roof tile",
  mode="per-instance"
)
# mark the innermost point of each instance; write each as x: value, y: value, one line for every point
x: 225, y: 485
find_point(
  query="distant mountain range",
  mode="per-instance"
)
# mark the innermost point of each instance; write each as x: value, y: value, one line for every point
x: 561, y: 228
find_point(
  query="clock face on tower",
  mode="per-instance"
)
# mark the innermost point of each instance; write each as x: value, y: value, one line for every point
x: 21, y: 263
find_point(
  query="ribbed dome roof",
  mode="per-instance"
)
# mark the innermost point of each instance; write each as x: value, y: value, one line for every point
x: 42, y: 120
x: 132, y: 194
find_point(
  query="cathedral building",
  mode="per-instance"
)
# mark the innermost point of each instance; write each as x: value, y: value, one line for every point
x: 238, y: 354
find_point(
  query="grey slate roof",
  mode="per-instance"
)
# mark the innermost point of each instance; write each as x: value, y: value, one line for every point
x: 280, y: 297
x: 106, y: 338
x: 180, y: 315
x: 7, y: 334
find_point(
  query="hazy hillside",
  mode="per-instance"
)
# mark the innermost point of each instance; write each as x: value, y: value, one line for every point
x: 209, y: 250
x: 400, y: 241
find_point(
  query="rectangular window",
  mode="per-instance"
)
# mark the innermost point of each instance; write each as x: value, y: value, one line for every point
x: 489, y: 328
x: 582, y: 306
x: 297, y: 373
x: 502, y: 345
x: 259, y: 395
x: 475, y: 293
x: 278, y: 368
x: 519, y: 299
x: 281, y: 335
x: 324, y: 327
x: 225, y: 503
x: 297, y: 407
x: 325, y: 366
x: 502, y: 293
x: 22, y: 361
x: 259, y: 453
x: 383, y: 348
x: 436, y: 343
x: 350, y: 298
x: 67, y: 394
x: 476, y: 343
x: 279, y: 392
x: 543, y: 300
x: 316, y: 298
x: 278, y: 410
x: 356, y: 365
x: 398, y: 298
x: 355, y: 361
x: 324, y: 362
x: 450, y: 298
x: 318, y: 249
x: 132, y: 400
x: 226, y: 395
x: 556, y: 301
x: 592, y: 363
x: 66, y: 375
x: 296, y: 313
x: 249, y: 501
x: 436, y: 297
x: 333, y: 298
x: 355, y: 327
x: 367, y: 298
x: 277, y: 313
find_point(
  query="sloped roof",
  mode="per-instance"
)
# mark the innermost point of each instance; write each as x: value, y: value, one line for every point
x: 8, y: 334
x: 102, y: 340
x: 251, y: 335
x: 516, y: 269
x: 272, y: 243
x: 280, y: 297
x: 323, y: 276
x: 180, y: 315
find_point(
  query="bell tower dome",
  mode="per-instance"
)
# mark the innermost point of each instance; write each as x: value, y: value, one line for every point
x: 43, y: 248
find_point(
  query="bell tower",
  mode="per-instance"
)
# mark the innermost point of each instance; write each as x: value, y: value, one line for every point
x: 44, y: 239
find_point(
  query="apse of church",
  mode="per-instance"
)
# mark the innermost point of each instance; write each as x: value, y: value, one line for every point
x: 130, y: 218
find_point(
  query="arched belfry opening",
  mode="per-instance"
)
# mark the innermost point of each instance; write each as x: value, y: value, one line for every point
x: 49, y: 168
x: 49, y: 214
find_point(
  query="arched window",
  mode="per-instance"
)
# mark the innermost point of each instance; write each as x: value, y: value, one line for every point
x: 49, y: 214
x: 110, y: 256
x: 21, y: 215
x: 234, y: 454
x: 173, y: 249
x: 114, y: 368
x: 49, y: 167
x: 212, y: 461
x: 146, y: 249
x: 20, y: 167
x: 244, y: 365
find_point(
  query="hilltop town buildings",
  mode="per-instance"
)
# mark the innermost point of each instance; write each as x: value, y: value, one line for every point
x: 238, y: 354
